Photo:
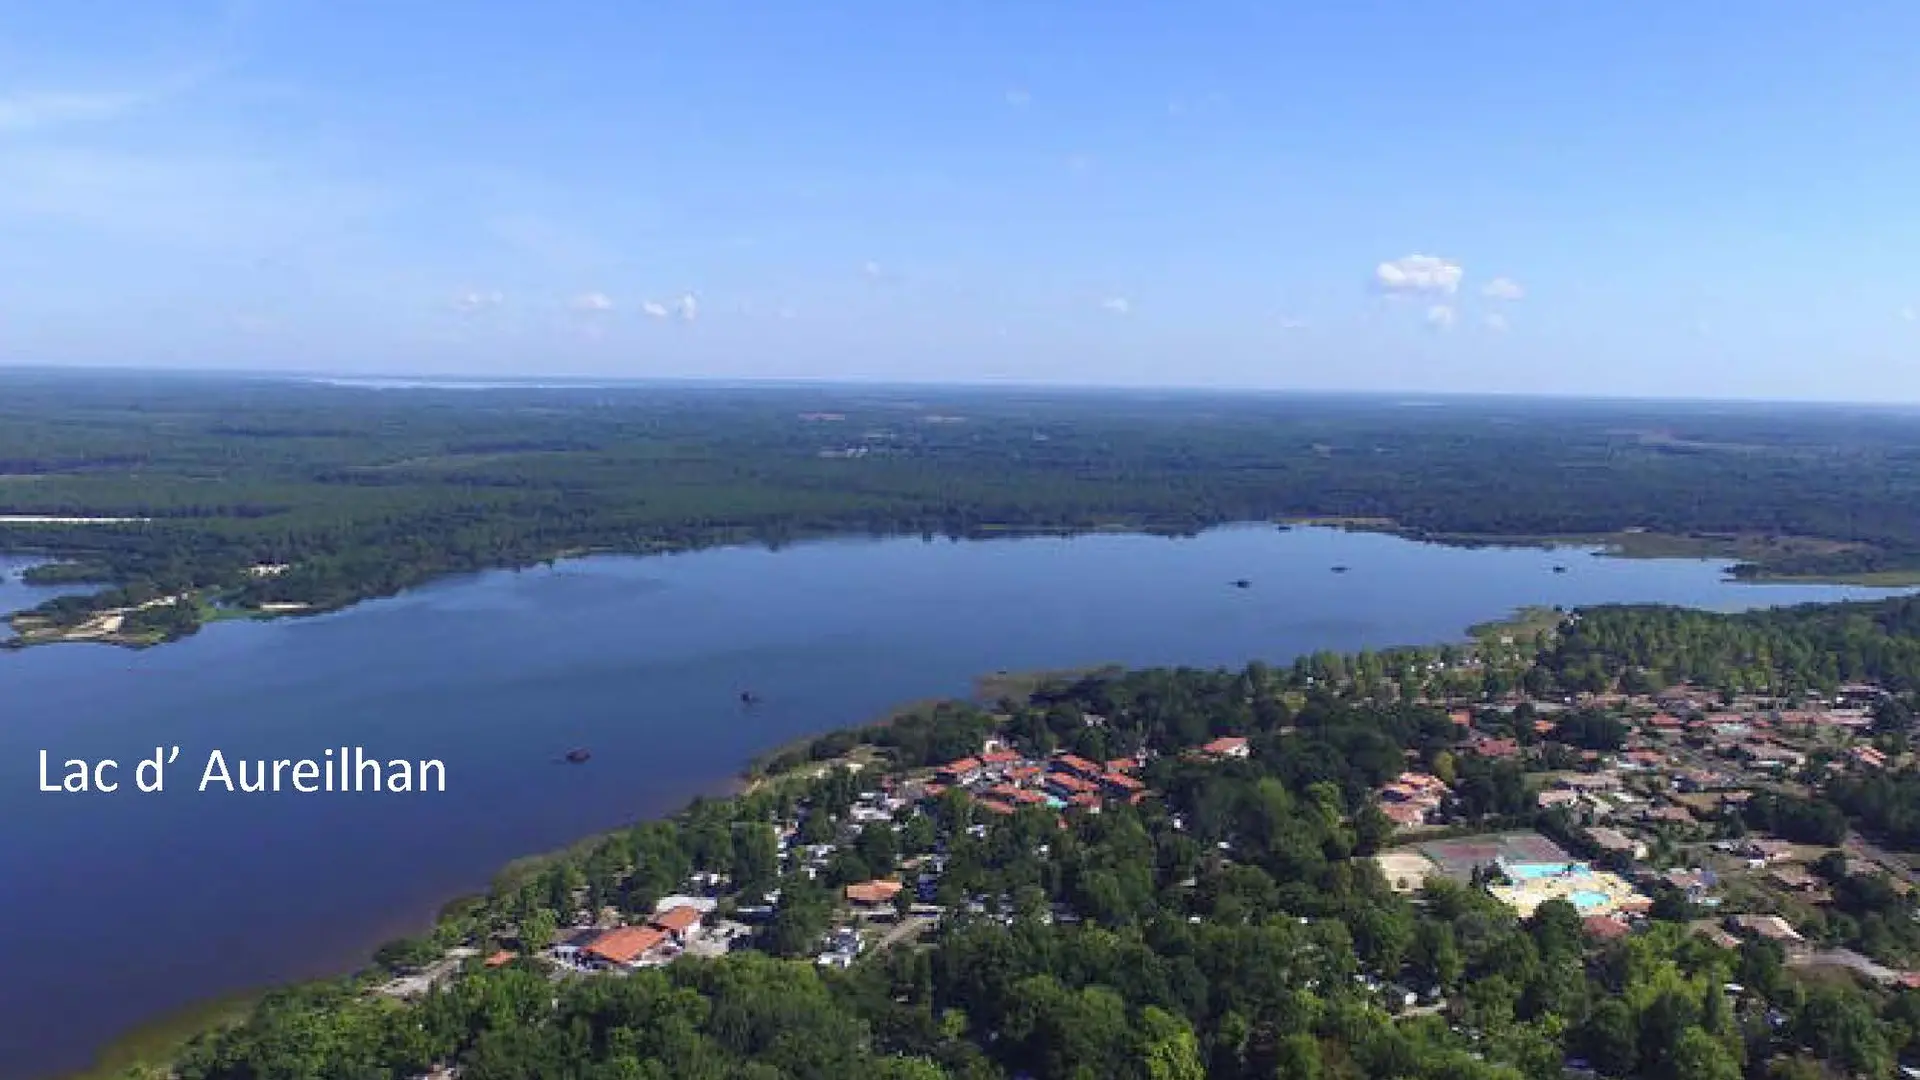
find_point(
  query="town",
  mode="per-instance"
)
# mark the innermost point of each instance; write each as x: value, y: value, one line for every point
x: 1639, y: 801
x: 1532, y: 845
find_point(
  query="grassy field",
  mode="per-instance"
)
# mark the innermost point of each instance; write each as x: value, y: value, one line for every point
x: 1019, y: 685
x: 1522, y: 624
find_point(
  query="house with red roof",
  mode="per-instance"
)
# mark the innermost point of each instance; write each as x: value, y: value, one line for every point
x: 1490, y: 747
x: 1078, y: 766
x: 873, y: 893
x: 1066, y: 785
x: 1605, y: 927
x: 627, y: 946
x: 679, y: 923
x: 963, y: 771
x: 1231, y: 746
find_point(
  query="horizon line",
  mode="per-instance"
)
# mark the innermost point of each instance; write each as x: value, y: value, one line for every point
x: 348, y: 379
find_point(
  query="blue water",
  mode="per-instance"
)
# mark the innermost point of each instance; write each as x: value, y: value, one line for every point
x: 1530, y: 871
x: 16, y: 595
x: 1587, y: 901
x: 126, y: 905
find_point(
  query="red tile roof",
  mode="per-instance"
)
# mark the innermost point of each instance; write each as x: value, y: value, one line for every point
x: 1605, y: 927
x: 878, y: 891
x: 1076, y: 764
x: 1494, y: 748
x: 678, y: 920
x: 1227, y: 745
x: 1071, y: 782
x: 625, y: 945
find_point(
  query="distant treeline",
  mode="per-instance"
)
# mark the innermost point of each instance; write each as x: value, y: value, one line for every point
x: 366, y: 492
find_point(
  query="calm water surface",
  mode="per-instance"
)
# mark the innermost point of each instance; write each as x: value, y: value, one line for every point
x: 117, y: 907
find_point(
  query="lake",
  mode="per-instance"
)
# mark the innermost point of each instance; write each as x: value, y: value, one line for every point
x: 122, y: 906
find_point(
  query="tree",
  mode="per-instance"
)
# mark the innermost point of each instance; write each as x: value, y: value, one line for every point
x: 1610, y: 1037
x: 537, y: 930
x: 1699, y: 1056
x: 756, y: 857
x: 1168, y: 1048
x: 1296, y: 1057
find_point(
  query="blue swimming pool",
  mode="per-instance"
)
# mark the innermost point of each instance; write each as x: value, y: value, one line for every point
x: 1529, y: 871
x: 1586, y: 900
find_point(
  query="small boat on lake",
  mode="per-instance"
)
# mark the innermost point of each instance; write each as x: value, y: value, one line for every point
x: 577, y: 755
x: 1242, y: 583
x: 748, y: 697
x: 1339, y: 569
x: 1559, y: 569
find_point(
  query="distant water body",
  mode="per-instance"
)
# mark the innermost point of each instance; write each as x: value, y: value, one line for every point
x: 120, y: 907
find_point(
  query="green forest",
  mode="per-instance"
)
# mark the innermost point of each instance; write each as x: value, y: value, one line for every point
x: 352, y: 492
x: 1231, y: 927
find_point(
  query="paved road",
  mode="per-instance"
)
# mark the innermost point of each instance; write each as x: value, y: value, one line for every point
x: 911, y: 927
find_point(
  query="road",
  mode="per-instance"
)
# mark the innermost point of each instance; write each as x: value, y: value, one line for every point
x: 910, y: 927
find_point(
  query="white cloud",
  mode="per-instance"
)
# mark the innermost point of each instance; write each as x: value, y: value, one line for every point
x: 1495, y: 322
x: 592, y: 302
x: 1503, y: 288
x: 872, y: 269
x: 478, y: 300
x: 655, y: 309
x: 687, y: 307
x: 1288, y: 322
x: 1909, y: 314
x: 1018, y: 98
x: 1440, y: 317
x: 1119, y: 305
x: 1412, y: 274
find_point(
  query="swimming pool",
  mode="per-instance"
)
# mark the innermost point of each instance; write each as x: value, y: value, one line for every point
x: 1530, y: 871
x: 1587, y: 900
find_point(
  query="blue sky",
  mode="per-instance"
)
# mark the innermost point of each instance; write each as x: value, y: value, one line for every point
x: 1629, y: 197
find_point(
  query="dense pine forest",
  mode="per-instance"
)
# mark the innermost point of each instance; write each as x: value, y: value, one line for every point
x: 1233, y: 926
x: 350, y: 492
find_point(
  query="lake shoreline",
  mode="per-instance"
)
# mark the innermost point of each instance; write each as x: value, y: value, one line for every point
x: 172, y: 1030
x: 31, y: 630
x: 642, y: 661
x: 167, y: 1033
